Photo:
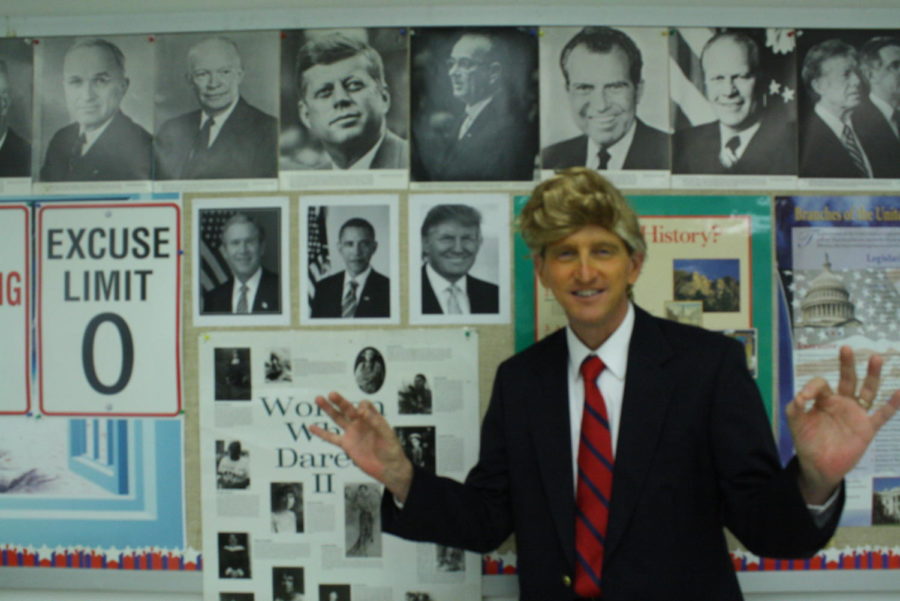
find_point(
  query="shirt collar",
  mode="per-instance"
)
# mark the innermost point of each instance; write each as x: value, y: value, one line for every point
x: 744, y: 136
x: 365, y: 161
x: 90, y: 136
x: 613, y: 352
x: 360, y: 279
x: 617, y: 151
x: 439, y: 283
x: 833, y: 123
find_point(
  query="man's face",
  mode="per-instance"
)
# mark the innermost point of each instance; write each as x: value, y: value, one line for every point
x: 94, y: 85
x: 589, y: 273
x: 419, y: 382
x: 451, y: 248
x: 730, y: 84
x: 357, y: 247
x: 343, y: 104
x: 602, y: 96
x: 242, y: 249
x: 471, y: 78
x: 884, y: 79
x: 288, y: 581
x: 215, y: 75
x: 839, y: 83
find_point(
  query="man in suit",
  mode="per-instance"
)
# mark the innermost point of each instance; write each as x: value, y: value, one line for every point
x: 344, y: 100
x: 15, y: 152
x: 602, y: 68
x: 493, y: 139
x: 359, y: 290
x: 102, y: 144
x: 745, y: 139
x: 688, y: 445
x: 251, y: 288
x: 877, y: 118
x: 829, y: 143
x: 451, y: 239
x: 226, y: 137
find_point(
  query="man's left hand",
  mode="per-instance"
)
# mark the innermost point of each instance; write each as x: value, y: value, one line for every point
x: 831, y: 436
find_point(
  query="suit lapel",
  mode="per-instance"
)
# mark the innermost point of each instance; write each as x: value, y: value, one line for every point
x: 548, y: 409
x: 644, y: 407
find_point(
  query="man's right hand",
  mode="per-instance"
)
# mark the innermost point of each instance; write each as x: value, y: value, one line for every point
x: 369, y: 441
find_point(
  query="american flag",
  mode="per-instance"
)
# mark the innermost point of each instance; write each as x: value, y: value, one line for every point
x: 317, y: 247
x: 214, y: 269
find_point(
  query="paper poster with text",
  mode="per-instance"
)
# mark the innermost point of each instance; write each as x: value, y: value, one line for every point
x: 839, y: 268
x: 288, y: 516
x: 109, y: 309
x: 708, y: 264
x: 15, y: 295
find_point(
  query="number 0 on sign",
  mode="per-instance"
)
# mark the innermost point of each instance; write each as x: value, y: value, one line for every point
x: 109, y: 317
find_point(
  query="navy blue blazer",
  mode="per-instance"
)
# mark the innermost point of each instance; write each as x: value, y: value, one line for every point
x: 695, y: 453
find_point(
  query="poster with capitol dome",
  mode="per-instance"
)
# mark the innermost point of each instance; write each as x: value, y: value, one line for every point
x: 839, y: 273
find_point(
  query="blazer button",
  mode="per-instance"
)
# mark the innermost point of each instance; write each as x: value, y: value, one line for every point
x: 567, y: 580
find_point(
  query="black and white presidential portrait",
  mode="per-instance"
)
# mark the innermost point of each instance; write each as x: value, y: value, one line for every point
x: 474, y: 104
x: 604, y: 94
x: 232, y: 465
x: 362, y: 520
x: 849, y: 104
x: 232, y: 374
x: 240, y: 258
x: 216, y: 101
x: 458, y: 258
x: 288, y: 584
x: 351, y: 259
x: 734, y: 101
x: 418, y: 443
x: 234, y: 555
x: 287, y: 507
x: 16, y: 87
x: 95, y: 97
x: 344, y: 99
x: 369, y: 370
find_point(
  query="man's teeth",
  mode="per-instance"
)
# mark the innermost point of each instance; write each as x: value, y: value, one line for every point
x: 586, y: 292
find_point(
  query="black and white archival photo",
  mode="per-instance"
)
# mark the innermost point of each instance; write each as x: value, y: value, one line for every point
x: 457, y: 257
x: 95, y: 103
x: 241, y: 252
x: 344, y: 99
x: 734, y: 99
x: 16, y: 92
x: 362, y: 520
x: 234, y: 555
x: 232, y: 465
x: 216, y: 106
x: 415, y: 397
x: 474, y: 104
x: 351, y: 260
x: 419, y: 445
x: 369, y: 370
x: 604, y: 99
x: 287, y: 507
x: 849, y: 104
x: 233, y: 374
x: 288, y: 584
x: 334, y: 592
x: 450, y: 559
x: 277, y: 367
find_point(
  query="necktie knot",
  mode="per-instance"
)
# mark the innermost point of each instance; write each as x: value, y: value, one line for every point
x: 603, y: 158
x: 348, y: 304
x: 243, y: 305
x: 453, y: 295
x: 733, y: 143
x: 591, y: 368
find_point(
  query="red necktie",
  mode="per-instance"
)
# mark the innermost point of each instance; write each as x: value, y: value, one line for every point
x: 595, y: 466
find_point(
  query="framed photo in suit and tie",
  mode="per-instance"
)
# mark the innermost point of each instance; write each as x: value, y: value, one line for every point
x: 240, y: 246
x: 458, y: 257
x: 17, y: 87
x: 349, y: 259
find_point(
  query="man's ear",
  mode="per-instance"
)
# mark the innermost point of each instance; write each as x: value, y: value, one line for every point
x: 303, y: 113
x: 638, y: 92
x: 494, y: 72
